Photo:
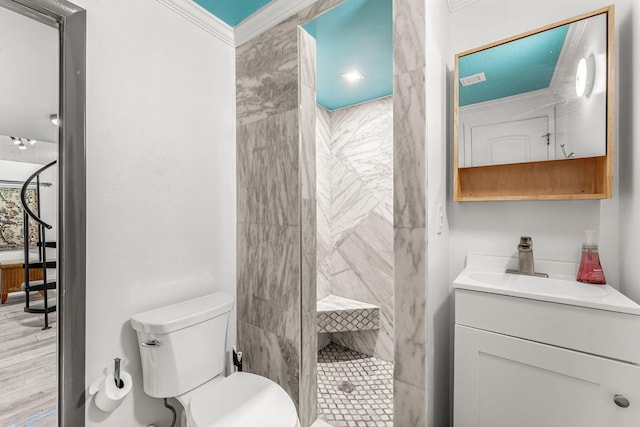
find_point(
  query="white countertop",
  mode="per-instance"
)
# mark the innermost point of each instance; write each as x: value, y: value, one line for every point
x: 485, y: 273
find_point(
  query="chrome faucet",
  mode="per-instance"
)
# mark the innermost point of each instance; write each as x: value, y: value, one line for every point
x: 525, y: 259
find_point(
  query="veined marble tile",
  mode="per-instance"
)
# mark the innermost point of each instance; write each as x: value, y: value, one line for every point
x: 307, y: 56
x: 409, y: 404
x: 309, y: 292
x: 308, y: 144
x: 335, y: 302
x: 267, y: 170
x: 410, y: 306
x: 308, y: 173
x: 367, y: 275
x: 267, y: 73
x: 351, y: 201
x: 385, y: 209
x: 362, y: 136
x: 361, y: 164
x: 323, y: 200
x: 308, y: 378
x: 408, y: 36
x: 317, y: 9
x: 409, y: 162
x: 271, y: 356
x: 268, y: 278
x: 361, y: 122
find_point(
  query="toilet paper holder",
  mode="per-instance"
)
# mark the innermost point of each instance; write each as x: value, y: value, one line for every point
x: 116, y: 373
x: 111, y: 389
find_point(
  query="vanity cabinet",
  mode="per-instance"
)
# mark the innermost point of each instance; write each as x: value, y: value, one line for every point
x: 529, y: 363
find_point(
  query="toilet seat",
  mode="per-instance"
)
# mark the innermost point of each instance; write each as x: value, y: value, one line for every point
x: 242, y: 400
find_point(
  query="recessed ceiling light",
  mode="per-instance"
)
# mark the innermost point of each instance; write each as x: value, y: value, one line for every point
x: 32, y: 141
x: 352, y: 76
x: 15, y: 140
x: 22, y: 146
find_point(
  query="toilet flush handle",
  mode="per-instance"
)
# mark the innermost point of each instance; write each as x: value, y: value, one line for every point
x: 151, y: 343
x: 621, y: 401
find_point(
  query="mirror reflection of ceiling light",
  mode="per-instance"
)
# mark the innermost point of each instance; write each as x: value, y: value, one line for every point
x: 353, y: 76
x: 54, y: 119
x: 585, y: 76
x: 20, y: 142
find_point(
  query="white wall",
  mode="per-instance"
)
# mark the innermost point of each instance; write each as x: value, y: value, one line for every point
x: 161, y: 209
x: 628, y: 21
x: 438, y: 289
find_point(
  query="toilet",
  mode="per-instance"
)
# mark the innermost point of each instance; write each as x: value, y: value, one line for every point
x: 182, y: 349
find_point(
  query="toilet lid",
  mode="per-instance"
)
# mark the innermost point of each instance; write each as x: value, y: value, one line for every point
x: 241, y: 400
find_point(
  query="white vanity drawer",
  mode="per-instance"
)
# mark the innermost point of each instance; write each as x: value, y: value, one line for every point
x: 600, y: 332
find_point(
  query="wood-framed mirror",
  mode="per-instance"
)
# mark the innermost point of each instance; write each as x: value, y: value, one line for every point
x: 68, y: 22
x: 534, y: 114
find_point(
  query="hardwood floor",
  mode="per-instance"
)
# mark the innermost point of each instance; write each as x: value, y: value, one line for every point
x: 27, y: 364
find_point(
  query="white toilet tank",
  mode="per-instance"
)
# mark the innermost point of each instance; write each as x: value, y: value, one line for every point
x: 183, y: 345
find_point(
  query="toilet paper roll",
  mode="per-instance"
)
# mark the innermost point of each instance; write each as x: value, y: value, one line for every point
x: 109, y: 397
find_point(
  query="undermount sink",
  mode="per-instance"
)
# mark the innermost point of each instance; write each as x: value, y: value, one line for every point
x: 544, y: 285
x: 487, y: 274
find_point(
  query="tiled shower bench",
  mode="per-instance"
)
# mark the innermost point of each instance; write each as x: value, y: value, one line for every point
x: 339, y: 314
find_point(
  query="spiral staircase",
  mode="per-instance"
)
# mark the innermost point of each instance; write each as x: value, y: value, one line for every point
x: 47, y: 304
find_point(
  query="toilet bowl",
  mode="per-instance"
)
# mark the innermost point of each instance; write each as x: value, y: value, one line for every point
x: 241, y: 399
x: 182, y: 349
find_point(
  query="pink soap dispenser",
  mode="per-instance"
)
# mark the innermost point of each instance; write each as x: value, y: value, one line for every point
x: 590, y: 270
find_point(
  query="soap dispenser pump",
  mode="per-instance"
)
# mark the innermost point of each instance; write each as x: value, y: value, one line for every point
x: 590, y: 270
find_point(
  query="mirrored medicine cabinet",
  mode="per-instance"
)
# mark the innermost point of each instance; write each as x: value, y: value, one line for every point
x: 533, y: 114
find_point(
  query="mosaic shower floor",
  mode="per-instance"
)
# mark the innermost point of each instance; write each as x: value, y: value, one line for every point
x: 354, y: 390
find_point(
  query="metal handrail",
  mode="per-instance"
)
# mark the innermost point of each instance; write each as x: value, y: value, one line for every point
x: 23, y: 195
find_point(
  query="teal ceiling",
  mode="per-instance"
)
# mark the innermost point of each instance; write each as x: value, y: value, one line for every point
x: 358, y: 35
x: 232, y: 11
x: 521, y: 66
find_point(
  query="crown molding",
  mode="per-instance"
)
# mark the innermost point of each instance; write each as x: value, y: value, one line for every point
x: 267, y: 17
x: 202, y: 18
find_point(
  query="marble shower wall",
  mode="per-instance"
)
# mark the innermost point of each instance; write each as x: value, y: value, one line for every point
x: 272, y: 300
x: 276, y: 193
x: 323, y: 193
x: 410, y: 214
x: 269, y: 206
x: 308, y: 206
x: 361, y: 217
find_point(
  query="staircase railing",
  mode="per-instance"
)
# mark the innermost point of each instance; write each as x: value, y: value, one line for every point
x: 44, y: 285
